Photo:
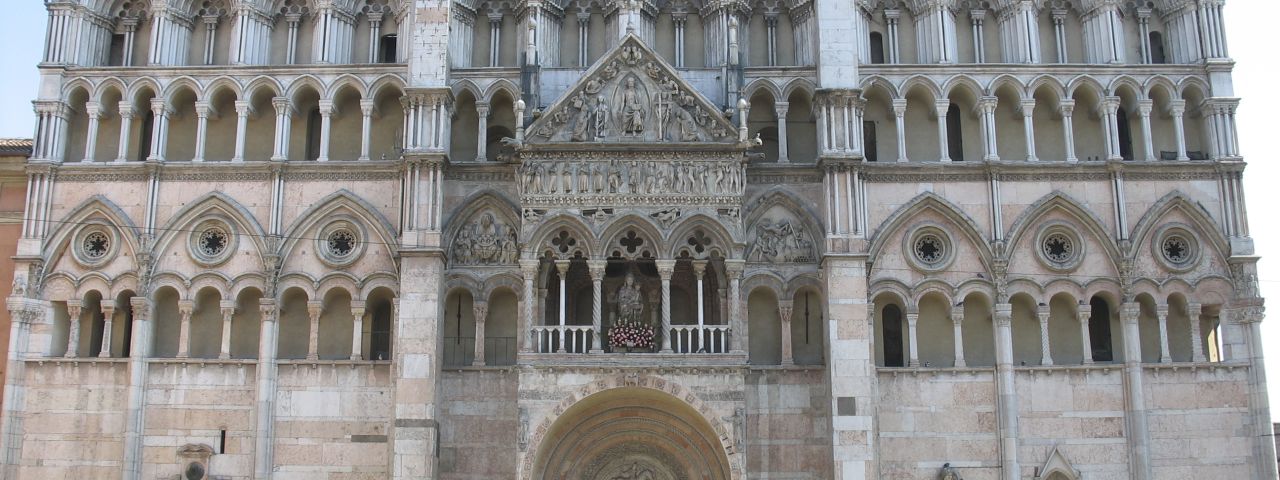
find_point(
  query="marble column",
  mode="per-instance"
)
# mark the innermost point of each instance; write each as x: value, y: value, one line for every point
x: 228, y: 308
x: 203, y: 110
x: 94, y: 111
x: 1042, y: 313
x: 781, y: 109
x: 913, y: 317
x: 481, y: 312
x: 988, y: 108
x: 737, y: 322
x: 596, y: 269
x: 529, y: 271
x: 1177, y: 109
x: 665, y: 269
x: 367, y: 110
x: 940, y: 108
x: 1148, y: 145
x: 243, y: 110
x: 1066, y: 108
x: 785, y: 309
x: 482, y: 111
x: 184, y: 330
x: 1136, y: 408
x: 1029, y: 128
x: 1194, y: 310
x: 562, y: 267
x: 957, y: 324
x: 268, y: 342
x: 357, y: 330
x: 314, y: 308
x: 1162, y: 314
x: 327, y: 110
x: 108, y: 312
x: 284, y: 112
x: 126, y: 126
x: 1007, y: 405
x: 1082, y: 315
x: 159, y: 129
x: 899, y: 122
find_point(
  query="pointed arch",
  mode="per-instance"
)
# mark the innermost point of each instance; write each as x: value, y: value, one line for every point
x: 96, y: 206
x: 539, y: 241
x: 922, y: 82
x: 468, y: 86
x: 1178, y: 201
x: 1125, y: 82
x: 110, y: 83
x: 1085, y: 81
x: 139, y: 85
x: 477, y: 201
x: 502, y: 85
x: 1028, y: 219
x: 722, y: 243
x: 762, y: 84
x: 1007, y: 80
x: 962, y: 82
x: 385, y: 82
x: 644, y: 227
x: 931, y: 201
x: 1161, y: 82
x: 382, y: 230
x: 802, y: 209
x: 258, y: 83
x: 1049, y: 81
x: 346, y: 81
x: 184, y: 220
x: 176, y: 86
x: 1192, y: 82
x: 876, y: 81
x: 802, y: 85
x: 1057, y: 464
x: 302, y: 83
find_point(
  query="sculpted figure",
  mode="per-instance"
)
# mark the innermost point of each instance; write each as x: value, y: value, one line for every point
x: 632, y: 110
x: 601, y: 115
x: 630, y: 301
x: 949, y: 473
x: 582, y: 121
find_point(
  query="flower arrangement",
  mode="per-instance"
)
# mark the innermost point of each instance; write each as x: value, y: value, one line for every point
x: 631, y: 335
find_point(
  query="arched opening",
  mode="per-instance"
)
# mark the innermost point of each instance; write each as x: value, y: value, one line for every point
x: 1025, y: 327
x: 337, y: 325
x: 1087, y: 128
x: 77, y: 125
x: 1100, y: 339
x: 802, y: 128
x: 1164, y: 139
x: 220, y: 139
x: 180, y: 135
x: 922, y: 116
x: 122, y: 326
x: 376, y: 342
x: 762, y: 121
x: 631, y: 432
x: 463, y: 134
x: 892, y: 332
x: 978, y: 332
x: 1126, y: 133
x: 1064, y: 330
x: 502, y: 124
x: 877, y: 48
x: 61, y: 329
x: 955, y: 134
x: 295, y: 325
x: 807, y: 334
x: 881, y: 139
x: 92, y: 326
x: 245, y: 322
x: 260, y: 128
x: 1011, y: 140
x: 385, y: 137
x: 304, y: 131
x: 500, y: 330
x: 1155, y: 41
x: 115, y: 55
x: 205, y: 334
x: 764, y: 328
x: 1196, y: 124
x: 346, y: 134
x: 313, y: 133
x: 1050, y: 136
x: 388, y: 48
x: 109, y: 124
x: 1148, y: 329
x: 459, y: 328
x: 934, y: 332
x: 167, y: 322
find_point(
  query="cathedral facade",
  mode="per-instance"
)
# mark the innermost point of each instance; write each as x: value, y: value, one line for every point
x: 635, y: 239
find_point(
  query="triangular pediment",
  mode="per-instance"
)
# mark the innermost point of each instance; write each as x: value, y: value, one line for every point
x: 631, y: 96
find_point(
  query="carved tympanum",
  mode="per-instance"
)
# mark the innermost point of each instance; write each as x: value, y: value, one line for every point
x: 486, y: 241
x: 783, y: 241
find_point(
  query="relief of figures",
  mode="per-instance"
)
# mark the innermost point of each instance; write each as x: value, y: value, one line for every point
x: 633, y: 177
x: 782, y: 242
x: 486, y: 241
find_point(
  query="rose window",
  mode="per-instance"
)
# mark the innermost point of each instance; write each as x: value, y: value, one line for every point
x: 213, y: 241
x: 96, y: 245
x: 930, y: 249
x: 341, y: 242
x: 1176, y: 249
x: 1058, y: 248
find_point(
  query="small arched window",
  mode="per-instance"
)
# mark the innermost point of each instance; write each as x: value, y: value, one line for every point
x: 387, y: 52
x: 115, y: 55
x: 955, y: 136
x: 1100, y: 330
x: 1126, y: 134
x: 380, y: 333
x: 877, y: 48
x: 1155, y: 42
x: 891, y: 326
x: 313, y: 134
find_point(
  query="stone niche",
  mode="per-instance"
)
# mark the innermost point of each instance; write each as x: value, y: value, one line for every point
x: 193, y: 460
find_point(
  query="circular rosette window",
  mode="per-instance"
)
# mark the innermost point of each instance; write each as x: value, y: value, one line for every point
x: 1059, y: 247
x: 1176, y: 248
x: 94, y: 244
x: 929, y: 248
x: 340, y: 243
x: 212, y: 242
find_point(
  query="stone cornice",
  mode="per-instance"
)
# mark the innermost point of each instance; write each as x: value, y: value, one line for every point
x: 227, y: 171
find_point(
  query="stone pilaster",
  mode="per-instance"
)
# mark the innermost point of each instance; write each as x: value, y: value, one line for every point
x: 852, y: 368
x: 414, y: 436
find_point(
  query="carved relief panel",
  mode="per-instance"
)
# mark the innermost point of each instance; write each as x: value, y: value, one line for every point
x: 486, y: 239
x: 780, y: 237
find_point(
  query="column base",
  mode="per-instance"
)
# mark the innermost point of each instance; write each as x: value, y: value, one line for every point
x: 596, y: 351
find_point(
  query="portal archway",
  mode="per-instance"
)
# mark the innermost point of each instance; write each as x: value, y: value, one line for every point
x: 631, y: 432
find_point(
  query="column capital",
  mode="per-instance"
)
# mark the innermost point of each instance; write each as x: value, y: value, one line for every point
x: 267, y: 307
x: 988, y: 103
x: 781, y: 108
x: 327, y: 108
x: 93, y: 110
x: 314, y: 308
x: 596, y: 269
x: 481, y: 310
x: 125, y: 110
x: 482, y: 109
x: 733, y: 268
x: 185, y: 307
x: 138, y: 306
x: 899, y: 106
x: 282, y: 105
x: 1162, y: 311
x: 108, y: 309
x: 785, y: 309
x: 1145, y: 107
x: 665, y: 268
x: 1066, y: 107
x: 529, y: 268
x: 244, y: 108
x: 562, y: 266
x: 941, y: 107
x: 957, y: 314
x: 1177, y: 108
x: 1028, y: 107
x: 1129, y: 312
x: 368, y: 107
x: 1042, y: 312
x: 699, y: 268
x: 1004, y: 314
x: 160, y: 108
x: 1194, y: 310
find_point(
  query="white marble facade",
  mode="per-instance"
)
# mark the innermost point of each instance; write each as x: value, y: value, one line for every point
x: 544, y: 239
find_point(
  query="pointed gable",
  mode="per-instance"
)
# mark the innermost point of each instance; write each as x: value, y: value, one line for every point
x: 632, y: 96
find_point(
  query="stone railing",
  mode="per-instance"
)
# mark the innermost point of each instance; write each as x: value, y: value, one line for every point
x: 563, y: 339
x: 700, y: 338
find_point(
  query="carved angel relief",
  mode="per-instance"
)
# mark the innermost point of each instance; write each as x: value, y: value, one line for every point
x: 783, y: 241
x: 632, y: 96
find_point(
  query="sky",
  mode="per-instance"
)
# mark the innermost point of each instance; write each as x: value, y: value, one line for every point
x: 22, y: 37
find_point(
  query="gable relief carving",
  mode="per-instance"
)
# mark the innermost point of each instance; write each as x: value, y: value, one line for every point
x: 632, y: 96
x: 779, y: 238
x: 485, y: 240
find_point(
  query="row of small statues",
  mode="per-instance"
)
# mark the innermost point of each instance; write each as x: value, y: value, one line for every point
x: 646, y: 178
